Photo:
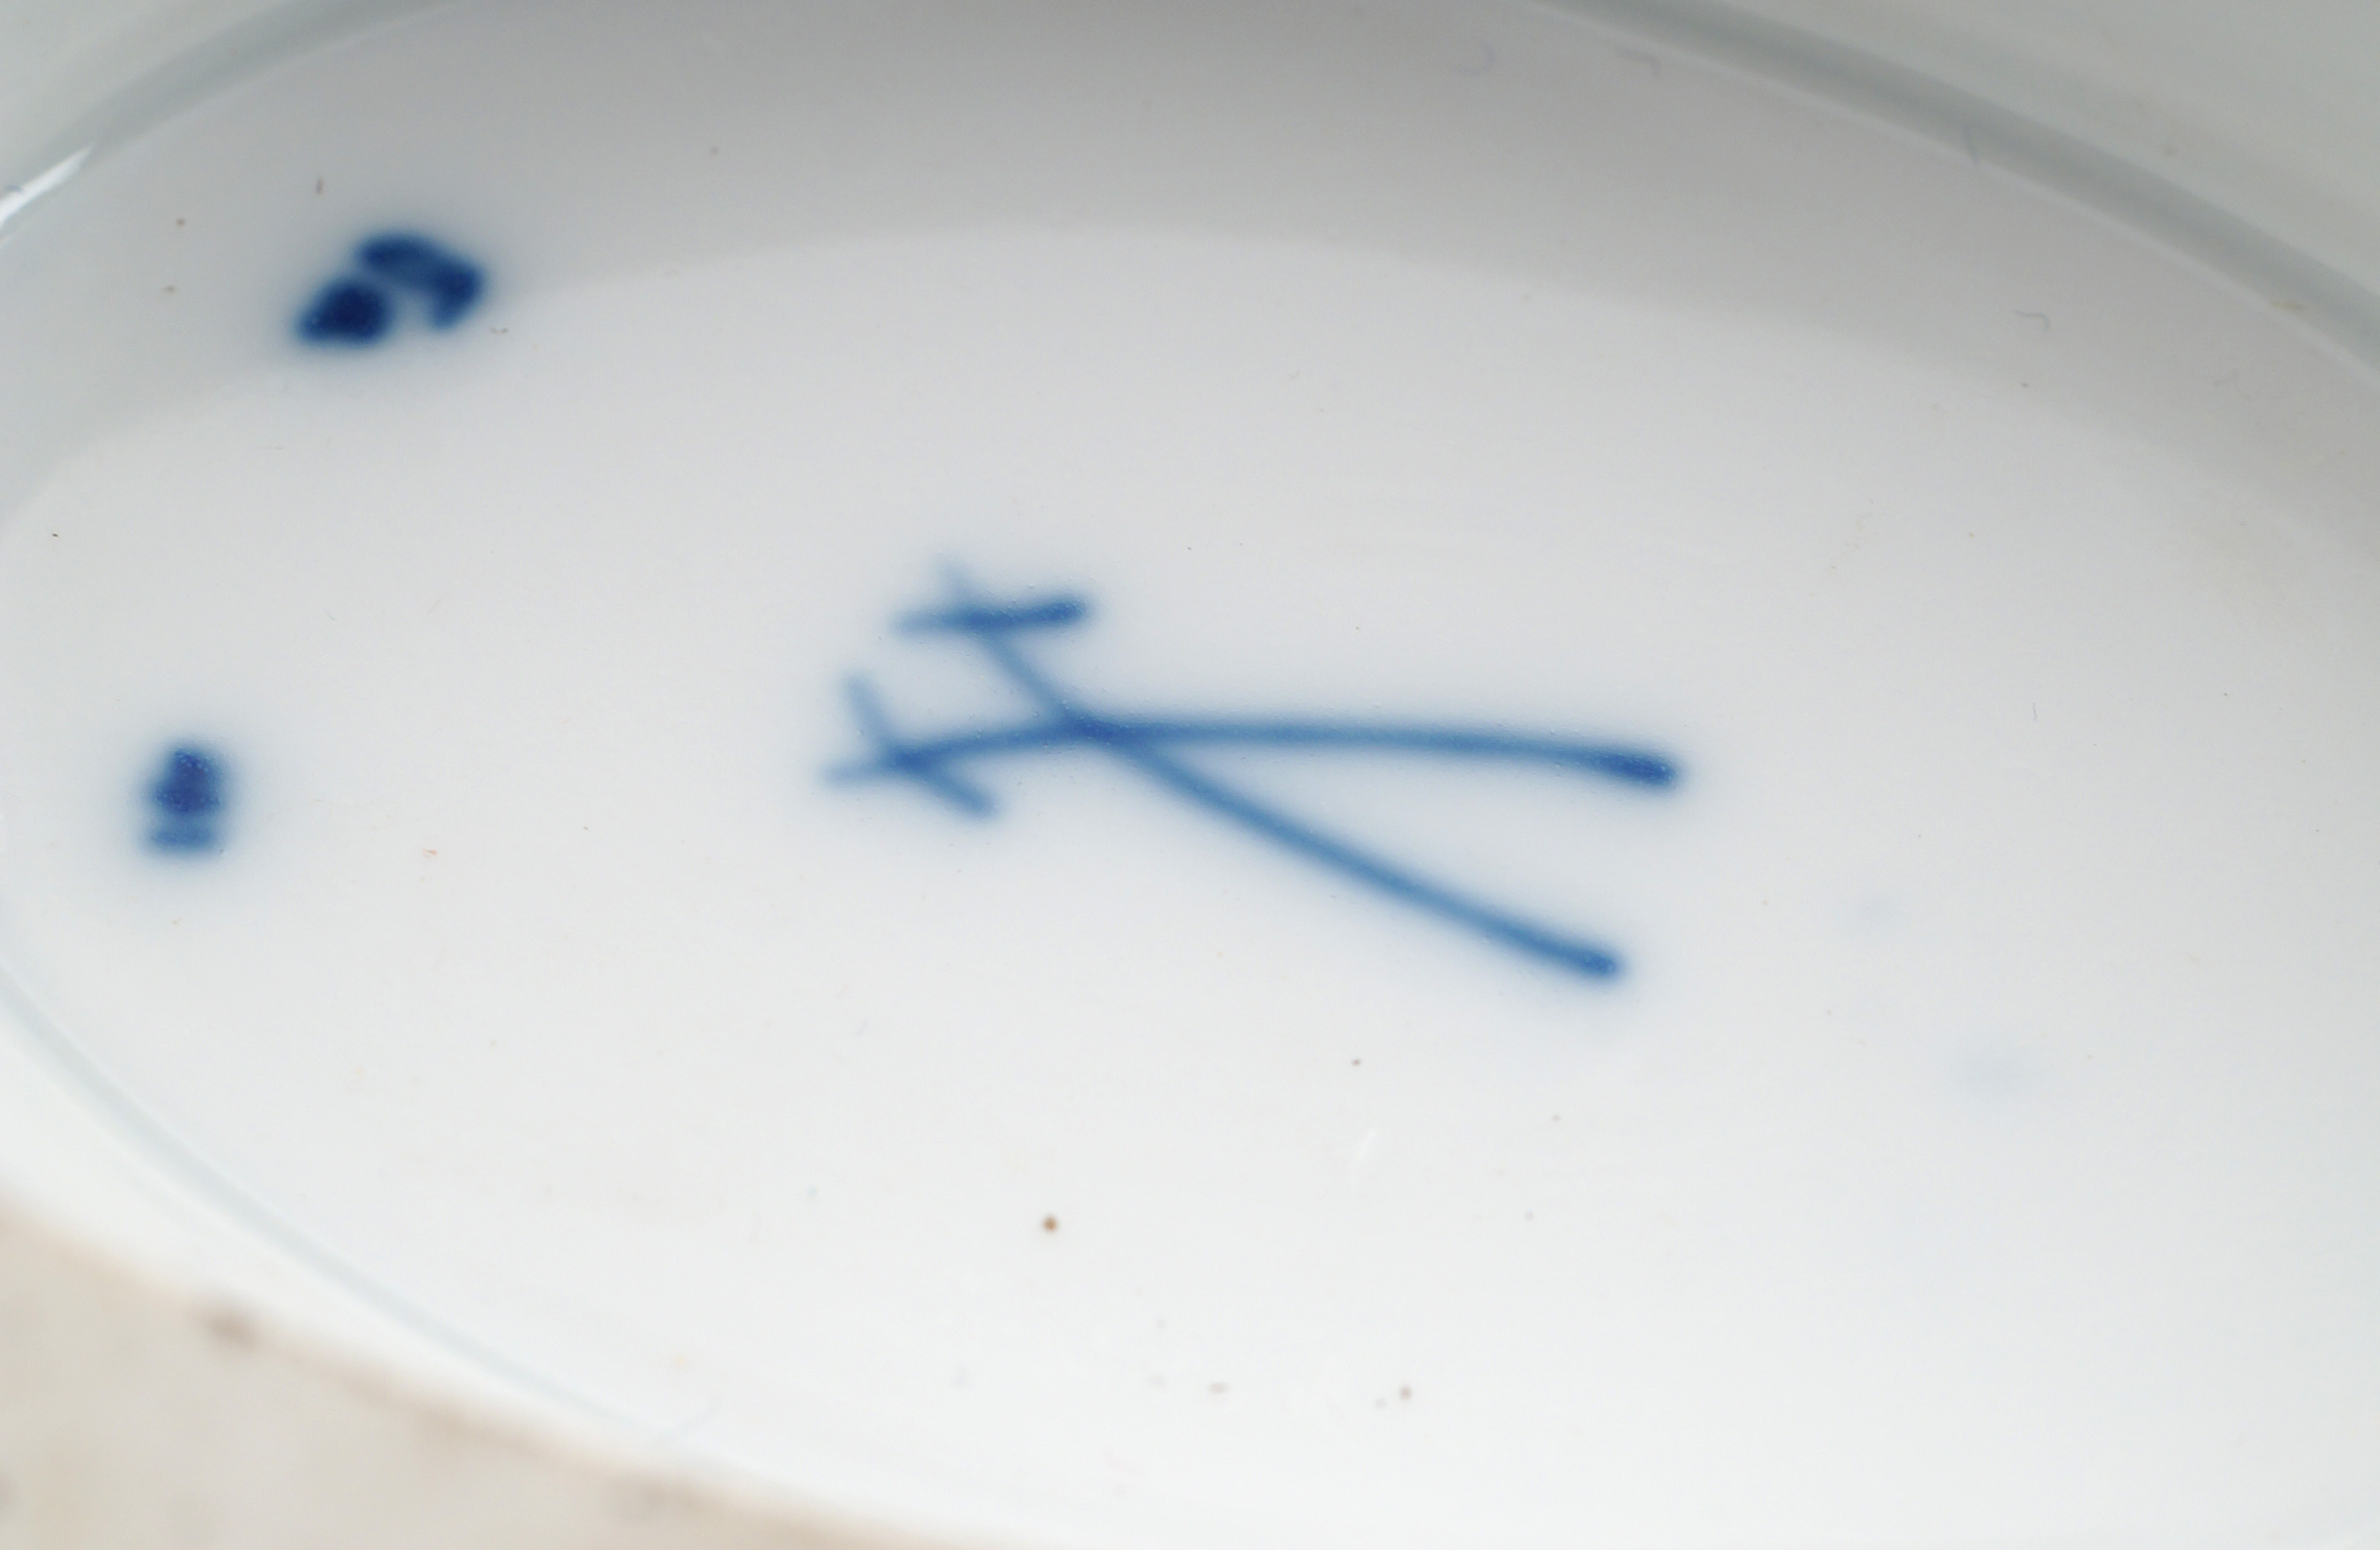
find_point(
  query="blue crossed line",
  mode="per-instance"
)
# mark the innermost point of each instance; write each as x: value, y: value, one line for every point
x: 1148, y: 743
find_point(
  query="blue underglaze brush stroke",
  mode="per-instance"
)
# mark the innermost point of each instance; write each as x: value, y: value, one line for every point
x: 345, y: 313
x: 450, y: 285
x: 1142, y: 743
x: 188, y: 798
x: 357, y: 310
x: 1630, y: 765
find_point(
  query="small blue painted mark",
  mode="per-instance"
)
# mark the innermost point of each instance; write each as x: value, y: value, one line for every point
x: 189, y: 797
x: 1147, y: 745
x: 450, y: 285
x: 346, y: 313
x: 361, y: 309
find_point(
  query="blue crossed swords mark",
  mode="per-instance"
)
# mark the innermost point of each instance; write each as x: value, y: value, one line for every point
x: 1150, y: 745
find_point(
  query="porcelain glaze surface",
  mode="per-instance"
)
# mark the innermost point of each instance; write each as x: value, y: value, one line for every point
x: 1707, y: 876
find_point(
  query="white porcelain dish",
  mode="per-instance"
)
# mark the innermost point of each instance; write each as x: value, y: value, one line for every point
x: 1121, y: 775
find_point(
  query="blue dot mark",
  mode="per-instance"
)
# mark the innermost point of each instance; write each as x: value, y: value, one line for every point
x: 449, y: 284
x: 346, y: 313
x: 397, y: 271
x: 187, y: 796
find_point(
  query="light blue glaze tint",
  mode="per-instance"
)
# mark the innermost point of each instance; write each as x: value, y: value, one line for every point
x: 360, y: 309
x: 1146, y: 743
x: 189, y: 802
